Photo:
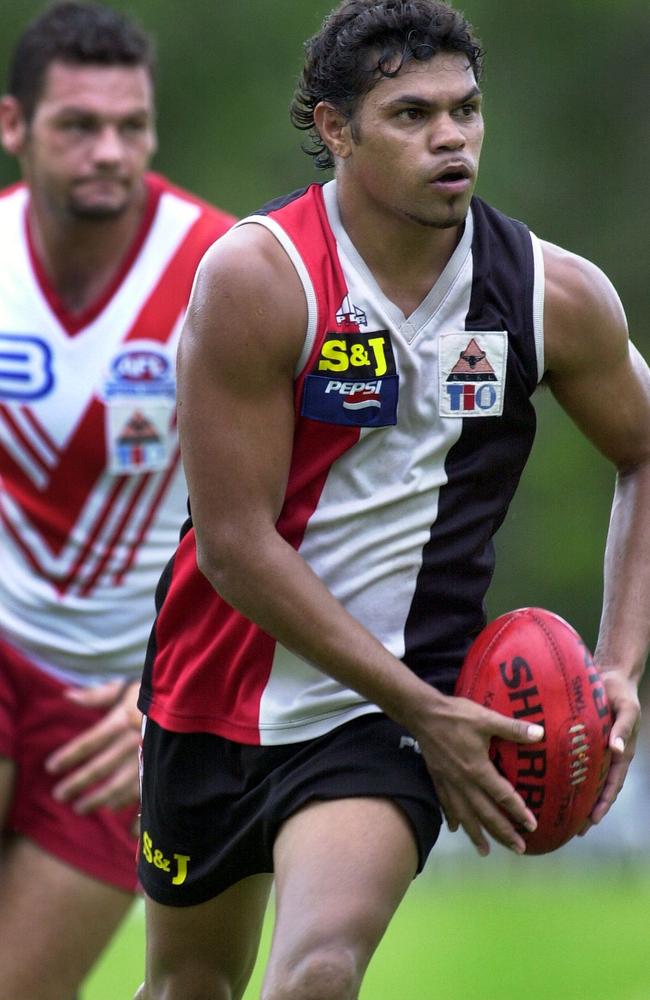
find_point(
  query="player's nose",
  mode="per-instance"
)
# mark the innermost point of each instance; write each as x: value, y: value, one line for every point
x: 447, y: 134
x: 108, y: 146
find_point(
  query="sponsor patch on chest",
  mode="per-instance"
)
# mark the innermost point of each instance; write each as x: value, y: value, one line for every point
x: 353, y: 381
x: 139, y: 398
x: 26, y: 367
x: 472, y: 369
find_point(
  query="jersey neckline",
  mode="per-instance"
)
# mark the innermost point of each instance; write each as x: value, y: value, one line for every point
x: 71, y: 322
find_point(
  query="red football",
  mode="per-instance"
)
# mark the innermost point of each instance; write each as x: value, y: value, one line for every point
x: 530, y: 664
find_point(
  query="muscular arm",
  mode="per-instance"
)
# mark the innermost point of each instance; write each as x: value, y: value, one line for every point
x: 604, y: 385
x: 243, y: 335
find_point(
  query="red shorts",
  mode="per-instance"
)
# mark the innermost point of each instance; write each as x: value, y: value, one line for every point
x: 36, y: 719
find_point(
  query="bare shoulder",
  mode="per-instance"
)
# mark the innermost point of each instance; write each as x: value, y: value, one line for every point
x: 248, y: 293
x: 592, y: 368
x: 584, y: 320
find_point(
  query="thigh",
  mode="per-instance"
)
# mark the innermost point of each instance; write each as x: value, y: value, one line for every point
x: 54, y: 923
x: 342, y: 868
x: 206, y: 950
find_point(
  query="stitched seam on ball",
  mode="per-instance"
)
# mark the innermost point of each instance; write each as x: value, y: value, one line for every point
x: 558, y: 655
x: 495, y: 638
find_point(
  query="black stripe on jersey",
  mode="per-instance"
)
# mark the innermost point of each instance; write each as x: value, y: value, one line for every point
x: 282, y: 201
x: 484, y: 466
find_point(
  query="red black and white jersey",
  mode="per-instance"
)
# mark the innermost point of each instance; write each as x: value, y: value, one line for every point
x: 411, y: 435
x: 92, y: 494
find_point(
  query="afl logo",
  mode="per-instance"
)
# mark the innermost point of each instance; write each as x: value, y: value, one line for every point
x: 140, y: 366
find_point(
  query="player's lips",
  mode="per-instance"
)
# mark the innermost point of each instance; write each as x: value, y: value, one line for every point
x: 102, y: 183
x: 454, y: 176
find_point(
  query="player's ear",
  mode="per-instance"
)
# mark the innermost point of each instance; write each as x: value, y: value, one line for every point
x: 334, y: 129
x: 13, y: 126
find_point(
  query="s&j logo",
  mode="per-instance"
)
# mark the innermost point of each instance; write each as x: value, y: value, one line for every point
x: 354, y: 381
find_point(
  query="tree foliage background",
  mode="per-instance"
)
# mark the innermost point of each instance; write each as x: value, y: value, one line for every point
x: 567, y: 150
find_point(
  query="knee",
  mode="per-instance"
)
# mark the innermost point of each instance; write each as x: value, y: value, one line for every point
x: 326, y: 974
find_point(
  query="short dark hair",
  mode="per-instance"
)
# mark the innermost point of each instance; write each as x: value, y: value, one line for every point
x: 79, y: 34
x: 337, y: 65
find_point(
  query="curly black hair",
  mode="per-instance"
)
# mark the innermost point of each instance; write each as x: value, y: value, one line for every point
x: 76, y: 33
x: 362, y: 40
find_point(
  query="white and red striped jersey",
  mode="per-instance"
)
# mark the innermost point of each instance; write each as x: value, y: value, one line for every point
x: 411, y: 434
x: 92, y: 494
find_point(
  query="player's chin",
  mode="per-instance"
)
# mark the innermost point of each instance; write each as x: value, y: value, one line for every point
x: 455, y: 211
x: 449, y: 216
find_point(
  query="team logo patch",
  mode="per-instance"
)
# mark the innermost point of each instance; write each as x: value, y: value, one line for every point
x: 139, y: 395
x: 354, y: 381
x: 138, y: 443
x: 348, y: 314
x: 142, y: 369
x: 473, y: 373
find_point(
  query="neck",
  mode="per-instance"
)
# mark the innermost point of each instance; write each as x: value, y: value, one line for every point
x: 81, y: 257
x: 405, y: 257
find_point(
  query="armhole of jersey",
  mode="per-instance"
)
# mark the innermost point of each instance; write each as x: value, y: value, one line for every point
x: 538, y: 304
x: 312, y: 303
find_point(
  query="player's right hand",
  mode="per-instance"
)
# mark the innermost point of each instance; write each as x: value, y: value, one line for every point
x: 455, y: 742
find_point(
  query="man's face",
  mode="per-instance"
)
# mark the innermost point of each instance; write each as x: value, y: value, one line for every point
x: 415, y: 141
x: 90, y: 139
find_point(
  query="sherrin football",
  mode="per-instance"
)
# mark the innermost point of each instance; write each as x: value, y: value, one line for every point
x: 532, y: 665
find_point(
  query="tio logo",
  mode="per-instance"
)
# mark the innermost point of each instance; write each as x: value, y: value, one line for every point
x: 468, y: 398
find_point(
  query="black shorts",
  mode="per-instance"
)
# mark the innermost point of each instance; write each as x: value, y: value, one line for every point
x: 211, y: 808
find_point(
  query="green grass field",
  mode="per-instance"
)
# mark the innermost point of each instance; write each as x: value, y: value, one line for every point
x: 503, y: 932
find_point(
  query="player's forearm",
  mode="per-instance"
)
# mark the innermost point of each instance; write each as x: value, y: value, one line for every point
x: 269, y: 582
x: 624, y: 636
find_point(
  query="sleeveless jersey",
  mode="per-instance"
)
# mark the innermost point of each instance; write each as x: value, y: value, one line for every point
x: 410, y: 438
x: 92, y: 495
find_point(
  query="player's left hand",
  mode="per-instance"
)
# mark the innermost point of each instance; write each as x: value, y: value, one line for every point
x: 101, y: 765
x: 624, y: 702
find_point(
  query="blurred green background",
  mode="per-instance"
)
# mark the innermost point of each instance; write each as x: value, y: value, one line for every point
x: 574, y: 936
x: 567, y: 150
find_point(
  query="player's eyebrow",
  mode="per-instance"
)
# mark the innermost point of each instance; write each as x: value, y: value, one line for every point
x: 75, y: 109
x: 72, y: 111
x: 417, y: 101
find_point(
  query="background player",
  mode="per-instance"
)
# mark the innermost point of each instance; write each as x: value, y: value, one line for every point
x: 371, y: 348
x: 97, y: 260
